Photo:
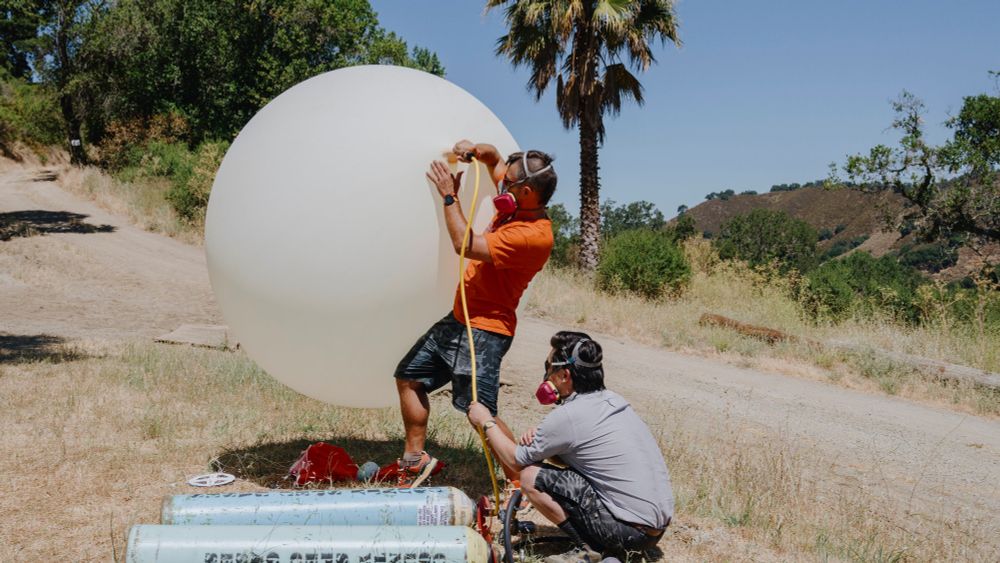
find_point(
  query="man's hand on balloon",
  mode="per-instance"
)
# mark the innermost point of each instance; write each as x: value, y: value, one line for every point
x: 478, y: 415
x: 465, y: 150
x: 442, y: 178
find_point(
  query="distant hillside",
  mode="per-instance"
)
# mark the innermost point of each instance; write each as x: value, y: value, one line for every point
x: 845, y: 215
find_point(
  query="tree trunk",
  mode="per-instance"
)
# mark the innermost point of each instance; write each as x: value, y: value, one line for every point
x: 77, y: 155
x: 590, y: 206
x: 65, y: 71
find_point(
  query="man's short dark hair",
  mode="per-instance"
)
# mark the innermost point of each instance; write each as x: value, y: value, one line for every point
x: 585, y: 379
x: 544, y: 183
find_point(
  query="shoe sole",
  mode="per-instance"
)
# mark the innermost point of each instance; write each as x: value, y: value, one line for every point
x: 425, y: 473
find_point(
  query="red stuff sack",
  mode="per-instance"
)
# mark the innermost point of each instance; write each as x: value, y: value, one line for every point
x: 322, y: 462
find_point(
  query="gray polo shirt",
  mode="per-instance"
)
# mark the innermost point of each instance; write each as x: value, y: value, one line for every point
x: 600, y: 436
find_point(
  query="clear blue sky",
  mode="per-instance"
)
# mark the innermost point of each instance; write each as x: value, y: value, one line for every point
x: 759, y: 93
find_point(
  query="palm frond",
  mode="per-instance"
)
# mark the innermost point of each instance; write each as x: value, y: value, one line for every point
x: 657, y: 20
x: 619, y: 85
x: 613, y: 16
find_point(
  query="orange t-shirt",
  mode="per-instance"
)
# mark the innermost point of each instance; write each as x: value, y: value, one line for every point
x: 519, y: 250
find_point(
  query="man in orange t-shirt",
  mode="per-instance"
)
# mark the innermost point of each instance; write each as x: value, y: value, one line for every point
x: 503, y: 260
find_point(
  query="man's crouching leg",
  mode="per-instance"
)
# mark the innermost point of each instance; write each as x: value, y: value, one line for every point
x: 579, y: 504
x: 554, y: 512
x: 543, y: 502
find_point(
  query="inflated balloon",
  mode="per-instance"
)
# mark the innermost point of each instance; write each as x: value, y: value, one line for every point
x: 326, y: 244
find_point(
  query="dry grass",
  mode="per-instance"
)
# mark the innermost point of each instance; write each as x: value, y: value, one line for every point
x: 781, y: 496
x: 92, y: 444
x: 142, y: 201
x: 731, y: 289
x: 95, y: 436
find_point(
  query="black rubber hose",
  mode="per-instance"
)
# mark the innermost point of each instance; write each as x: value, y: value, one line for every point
x: 509, y: 522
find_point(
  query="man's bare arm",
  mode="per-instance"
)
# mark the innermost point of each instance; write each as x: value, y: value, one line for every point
x: 448, y: 184
x: 503, y: 447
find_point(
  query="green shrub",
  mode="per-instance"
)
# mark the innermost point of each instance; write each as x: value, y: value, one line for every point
x: 168, y: 160
x: 126, y: 143
x: 763, y: 236
x: 29, y: 113
x: 842, y: 246
x: 723, y: 195
x: 565, y: 236
x: 964, y: 303
x: 190, y: 173
x: 785, y: 187
x: 683, y: 228
x: 192, y: 176
x: 930, y: 257
x: 862, y: 285
x: 645, y: 262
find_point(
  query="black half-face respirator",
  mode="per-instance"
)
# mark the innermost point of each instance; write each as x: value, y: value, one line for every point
x: 547, y: 394
x: 504, y: 201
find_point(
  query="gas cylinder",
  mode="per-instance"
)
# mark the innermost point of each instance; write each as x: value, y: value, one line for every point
x: 422, y: 506
x: 300, y: 544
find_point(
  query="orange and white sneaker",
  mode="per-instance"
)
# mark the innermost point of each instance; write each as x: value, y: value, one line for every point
x: 412, y: 474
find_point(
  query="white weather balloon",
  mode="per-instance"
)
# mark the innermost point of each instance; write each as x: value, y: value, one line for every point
x: 326, y: 244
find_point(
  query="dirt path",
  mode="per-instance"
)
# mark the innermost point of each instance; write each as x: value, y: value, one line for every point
x: 81, y: 273
x: 96, y: 277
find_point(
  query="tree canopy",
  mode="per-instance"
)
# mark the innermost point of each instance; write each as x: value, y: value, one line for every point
x: 211, y: 65
x: 617, y: 219
x: 953, y: 187
x: 763, y: 236
x: 19, y: 21
x: 218, y: 63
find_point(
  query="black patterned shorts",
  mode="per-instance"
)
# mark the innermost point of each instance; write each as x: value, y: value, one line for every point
x: 589, y: 515
x: 441, y: 356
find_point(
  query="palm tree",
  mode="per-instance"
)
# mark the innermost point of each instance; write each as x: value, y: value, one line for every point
x: 583, y: 44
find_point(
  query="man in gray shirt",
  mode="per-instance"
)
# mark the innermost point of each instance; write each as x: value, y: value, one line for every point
x: 615, y: 492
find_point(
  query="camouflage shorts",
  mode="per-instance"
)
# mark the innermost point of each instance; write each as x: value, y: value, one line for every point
x: 577, y: 497
x: 441, y: 356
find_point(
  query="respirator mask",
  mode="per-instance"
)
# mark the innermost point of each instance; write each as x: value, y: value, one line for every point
x: 504, y: 201
x: 547, y: 394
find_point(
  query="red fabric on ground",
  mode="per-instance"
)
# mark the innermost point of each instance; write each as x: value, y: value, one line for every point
x: 322, y: 462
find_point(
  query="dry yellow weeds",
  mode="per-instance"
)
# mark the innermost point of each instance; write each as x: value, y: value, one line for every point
x: 730, y: 289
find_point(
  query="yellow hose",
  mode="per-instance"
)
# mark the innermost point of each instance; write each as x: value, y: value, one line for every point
x: 468, y: 328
